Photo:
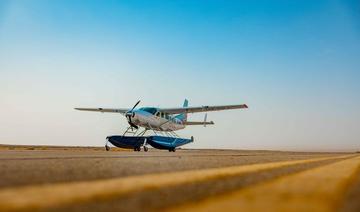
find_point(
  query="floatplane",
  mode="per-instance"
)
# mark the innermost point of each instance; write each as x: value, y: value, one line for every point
x: 163, y: 122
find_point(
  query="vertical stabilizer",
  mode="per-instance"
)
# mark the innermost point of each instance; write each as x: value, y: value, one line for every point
x: 183, y: 116
x: 186, y: 103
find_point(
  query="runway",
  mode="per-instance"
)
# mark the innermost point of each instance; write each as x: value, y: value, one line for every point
x: 92, y: 179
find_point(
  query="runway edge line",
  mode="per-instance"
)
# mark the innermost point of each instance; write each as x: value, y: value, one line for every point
x: 317, y: 189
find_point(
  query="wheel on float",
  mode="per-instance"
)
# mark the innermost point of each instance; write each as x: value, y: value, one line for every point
x: 107, y: 148
x: 146, y: 148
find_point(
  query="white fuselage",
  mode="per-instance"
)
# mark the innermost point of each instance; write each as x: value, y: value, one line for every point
x: 159, y: 121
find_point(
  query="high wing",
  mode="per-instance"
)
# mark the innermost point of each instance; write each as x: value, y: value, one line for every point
x: 105, y: 110
x: 201, y: 109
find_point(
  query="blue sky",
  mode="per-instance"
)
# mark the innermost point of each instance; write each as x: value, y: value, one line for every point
x: 295, y: 63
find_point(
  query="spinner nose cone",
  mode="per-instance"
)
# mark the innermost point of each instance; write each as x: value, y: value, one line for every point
x: 132, y: 116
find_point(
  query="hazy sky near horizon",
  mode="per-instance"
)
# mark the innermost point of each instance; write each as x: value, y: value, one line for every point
x: 295, y: 63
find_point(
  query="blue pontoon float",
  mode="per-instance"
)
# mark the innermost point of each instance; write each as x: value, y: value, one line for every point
x: 156, y: 141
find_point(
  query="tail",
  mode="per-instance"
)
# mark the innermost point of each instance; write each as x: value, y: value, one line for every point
x: 183, y: 116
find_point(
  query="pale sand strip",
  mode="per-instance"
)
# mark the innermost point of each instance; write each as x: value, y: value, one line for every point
x: 318, y: 189
x: 52, y: 195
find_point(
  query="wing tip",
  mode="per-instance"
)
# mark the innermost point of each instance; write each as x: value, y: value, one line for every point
x: 80, y: 108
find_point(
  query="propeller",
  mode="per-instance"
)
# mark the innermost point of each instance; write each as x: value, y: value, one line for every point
x: 130, y: 114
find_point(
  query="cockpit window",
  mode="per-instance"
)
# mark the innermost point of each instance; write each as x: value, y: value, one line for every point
x: 149, y: 110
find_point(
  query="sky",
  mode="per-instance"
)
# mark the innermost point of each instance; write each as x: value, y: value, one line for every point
x: 296, y: 64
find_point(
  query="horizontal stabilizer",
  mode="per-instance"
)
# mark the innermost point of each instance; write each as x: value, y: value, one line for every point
x: 198, y: 123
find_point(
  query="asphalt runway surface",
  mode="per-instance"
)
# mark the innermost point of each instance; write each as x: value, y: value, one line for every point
x: 77, y: 179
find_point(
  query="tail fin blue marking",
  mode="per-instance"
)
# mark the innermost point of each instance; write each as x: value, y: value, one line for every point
x: 183, y: 116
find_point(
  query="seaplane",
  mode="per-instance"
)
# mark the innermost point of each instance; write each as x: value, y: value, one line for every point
x: 163, y: 122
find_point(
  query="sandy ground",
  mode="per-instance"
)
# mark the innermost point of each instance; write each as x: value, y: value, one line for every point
x: 33, y: 166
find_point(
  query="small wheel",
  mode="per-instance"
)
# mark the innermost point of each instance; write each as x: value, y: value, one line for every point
x: 107, y: 148
x: 146, y: 148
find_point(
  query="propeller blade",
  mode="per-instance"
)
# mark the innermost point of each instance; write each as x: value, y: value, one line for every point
x: 135, y: 106
x: 133, y: 125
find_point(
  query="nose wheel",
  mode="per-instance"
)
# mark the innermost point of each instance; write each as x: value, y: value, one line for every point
x: 146, y: 148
